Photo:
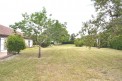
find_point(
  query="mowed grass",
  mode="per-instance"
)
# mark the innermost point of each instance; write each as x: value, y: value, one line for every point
x: 64, y: 63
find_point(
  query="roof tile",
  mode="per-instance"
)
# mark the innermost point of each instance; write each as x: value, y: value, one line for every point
x: 5, y: 30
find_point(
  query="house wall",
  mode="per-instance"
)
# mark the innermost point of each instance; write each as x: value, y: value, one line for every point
x: 2, y: 44
x: 29, y: 42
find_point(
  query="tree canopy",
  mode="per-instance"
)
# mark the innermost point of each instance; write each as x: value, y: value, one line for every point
x: 38, y: 26
x: 41, y: 28
x: 101, y: 29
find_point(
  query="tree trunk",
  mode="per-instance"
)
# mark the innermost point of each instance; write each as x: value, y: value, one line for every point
x: 98, y: 44
x: 39, y: 55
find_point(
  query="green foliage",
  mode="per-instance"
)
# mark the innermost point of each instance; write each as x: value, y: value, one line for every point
x: 105, y: 28
x: 79, y: 42
x: 40, y: 28
x: 45, y: 44
x: 56, y: 31
x: 89, y: 41
x: 59, y: 32
x: 15, y: 43
x: 103, y: 40
x: 32, y: 25
x: 116, y: 42
x: 72, y: 38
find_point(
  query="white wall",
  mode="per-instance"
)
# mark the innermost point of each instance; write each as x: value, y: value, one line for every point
x: 29, y: 42
x: 3, y: 48
x: 26, y: 42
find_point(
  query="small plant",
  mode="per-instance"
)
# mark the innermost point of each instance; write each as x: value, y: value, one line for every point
x: 15, y: 43
x: 78, y: 42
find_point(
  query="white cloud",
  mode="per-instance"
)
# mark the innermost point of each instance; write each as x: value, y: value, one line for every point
x: 74, y: 12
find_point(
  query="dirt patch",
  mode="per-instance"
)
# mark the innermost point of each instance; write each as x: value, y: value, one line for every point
x: 118, y: 60
x: 107, y: 74
x: 3, y: 54
x: 7, y: 57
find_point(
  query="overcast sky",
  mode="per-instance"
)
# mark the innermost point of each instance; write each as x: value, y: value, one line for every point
x: 74, y: 12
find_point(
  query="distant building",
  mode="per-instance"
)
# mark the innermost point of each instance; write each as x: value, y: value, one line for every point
x: 5, y: 32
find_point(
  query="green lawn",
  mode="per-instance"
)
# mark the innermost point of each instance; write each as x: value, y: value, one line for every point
x: 64, y: 63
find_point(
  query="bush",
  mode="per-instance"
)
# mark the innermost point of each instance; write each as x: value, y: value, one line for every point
x: 15, y: 43
x: 116, y: 42
x: 78, y: 42
x: 45, y: 44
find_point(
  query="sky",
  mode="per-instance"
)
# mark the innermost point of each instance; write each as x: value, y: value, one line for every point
x: 74, y: 12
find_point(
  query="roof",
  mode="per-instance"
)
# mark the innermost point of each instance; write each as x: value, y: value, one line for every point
x: 6, y: 31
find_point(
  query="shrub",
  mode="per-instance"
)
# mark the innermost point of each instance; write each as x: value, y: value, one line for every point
x: 89, y: 40
x: 78, y: 42
x: 45, y: 44
x: 116, y: 42
x: 15, y: 43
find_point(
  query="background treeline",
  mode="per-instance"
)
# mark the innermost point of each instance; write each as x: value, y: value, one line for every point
x: 105, y: 29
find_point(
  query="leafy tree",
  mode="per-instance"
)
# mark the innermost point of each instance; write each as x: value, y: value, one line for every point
x: 109, y: 7
x: 41, y: 28
x: 56, y: 31
x: 112, y: 10
x: 111, y: 13
x: 33, y: 24
x: 106, y: 25
x: 72, y: 38
x: 60, y: 34
x: 89, y: 33
x: 15, y: 43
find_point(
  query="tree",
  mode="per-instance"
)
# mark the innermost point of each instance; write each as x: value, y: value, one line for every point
x: 15, y: 43
x: 89, y: 33
x: 33, y: 24
x: 113, y: 8
x: 41, y: 28
x: 56, y: 31
x: 72, y: 38
x: 59, y: 33
x: 111, y: 11
x: 106, y: 25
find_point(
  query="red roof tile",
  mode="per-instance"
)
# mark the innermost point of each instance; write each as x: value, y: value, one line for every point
x: 5, y: 30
